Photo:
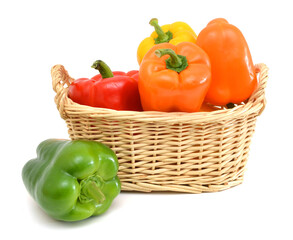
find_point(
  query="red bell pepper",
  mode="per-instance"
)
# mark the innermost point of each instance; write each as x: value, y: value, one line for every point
x: 115, y: 90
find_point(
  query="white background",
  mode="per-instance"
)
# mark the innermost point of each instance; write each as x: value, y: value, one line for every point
x: 35, y: 35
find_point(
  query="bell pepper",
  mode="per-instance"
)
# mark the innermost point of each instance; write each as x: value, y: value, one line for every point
x: 115, y: 90
x: 174, y: 78
x: 72, y: 180
x: 174, y: 33
x: 233, y: 72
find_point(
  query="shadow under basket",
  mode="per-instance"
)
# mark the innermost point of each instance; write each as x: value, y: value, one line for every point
x: 158, y: 151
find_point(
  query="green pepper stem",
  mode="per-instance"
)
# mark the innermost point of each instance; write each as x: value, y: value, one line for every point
x: 92, y: 191
x: 162, y: 36
x: 103, y: 68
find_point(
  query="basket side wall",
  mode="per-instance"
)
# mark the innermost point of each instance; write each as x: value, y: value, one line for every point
x: 172, y: 157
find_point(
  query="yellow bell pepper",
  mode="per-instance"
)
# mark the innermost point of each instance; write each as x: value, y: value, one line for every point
x: 172, y: 33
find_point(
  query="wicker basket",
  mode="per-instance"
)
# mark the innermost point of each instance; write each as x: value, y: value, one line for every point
x: 157, y: 151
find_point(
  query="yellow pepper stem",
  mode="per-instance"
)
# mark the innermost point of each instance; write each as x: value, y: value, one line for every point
x: 162, y: 36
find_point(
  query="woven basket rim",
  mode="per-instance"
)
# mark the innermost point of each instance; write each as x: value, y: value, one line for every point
x: 61, y: 81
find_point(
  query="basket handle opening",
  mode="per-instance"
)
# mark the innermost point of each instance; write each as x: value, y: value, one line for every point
x: 60, y: 83
x: 258, y: 96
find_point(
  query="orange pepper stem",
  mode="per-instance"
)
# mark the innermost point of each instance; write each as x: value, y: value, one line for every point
x: 230, y: 105
x: 175, y: 62
x: 162, y: 36
x: 103, y: 68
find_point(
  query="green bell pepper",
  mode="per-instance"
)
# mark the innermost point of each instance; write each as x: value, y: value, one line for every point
x: 72, y: 180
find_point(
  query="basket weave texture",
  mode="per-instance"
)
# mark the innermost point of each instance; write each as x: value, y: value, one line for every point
x: 157, y: 151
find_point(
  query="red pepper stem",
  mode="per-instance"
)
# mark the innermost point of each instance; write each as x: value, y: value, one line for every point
x: 175, y: 62
x: 162, y: 36
x: 103, y: 68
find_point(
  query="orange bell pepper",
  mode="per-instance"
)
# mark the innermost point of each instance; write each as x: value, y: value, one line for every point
x: 174, y: 78
x: 233, y: 73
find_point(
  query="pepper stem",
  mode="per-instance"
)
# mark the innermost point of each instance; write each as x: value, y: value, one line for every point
x: 103, y: 68
x: 175, y: 62
x: 230, y: 105
x: 90, y: 190
x: 162, y: 36
x: 94, y: 192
